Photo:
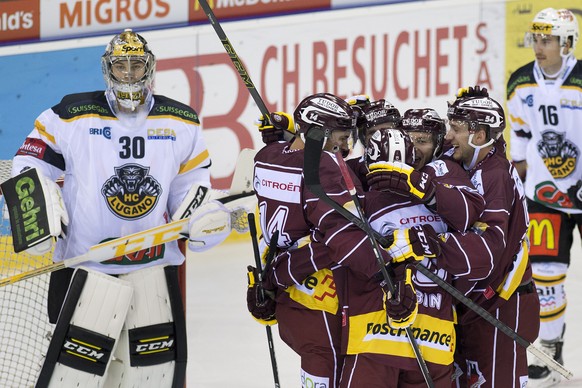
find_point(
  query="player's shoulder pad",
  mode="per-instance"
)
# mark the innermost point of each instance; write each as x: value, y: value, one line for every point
x: 79, y: 104
x: 575, y: 77
x: 164, y: 106
x: 437, y: 168
x: 522, y: 76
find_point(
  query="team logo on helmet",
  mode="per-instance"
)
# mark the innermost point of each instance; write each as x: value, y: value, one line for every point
x: 324, y: 110
x: 554, y: 22
x: 131, y: 193
x: 559, y: 154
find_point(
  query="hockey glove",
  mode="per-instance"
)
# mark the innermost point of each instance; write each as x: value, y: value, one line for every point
x: 414, y: 244
x: 260, y: 302
x: 472, y: 91
x: 57, y: 215
x: 402, y: 179
x: 575, y: 194
x: 360, y: 100
x: 276, y: 128
x: 209, y: 225
x: 402, y: 309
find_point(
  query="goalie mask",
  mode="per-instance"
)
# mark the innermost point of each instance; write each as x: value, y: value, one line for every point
x: 425, y: 120
x: 555, y: 22
x: 390, y: 145
x: 128, y: 67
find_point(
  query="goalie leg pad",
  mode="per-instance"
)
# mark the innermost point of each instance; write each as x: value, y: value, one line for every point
x: 153, y: 348
x: 87, y: 330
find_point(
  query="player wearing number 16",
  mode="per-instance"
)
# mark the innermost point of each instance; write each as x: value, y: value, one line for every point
x: 544, y: 100
x: 129, y: 160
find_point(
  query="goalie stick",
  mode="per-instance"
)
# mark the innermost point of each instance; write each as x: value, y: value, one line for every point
x: 312, y: 156
x: 241, y: 184
x: 459, y: 296
x: 260, y: 272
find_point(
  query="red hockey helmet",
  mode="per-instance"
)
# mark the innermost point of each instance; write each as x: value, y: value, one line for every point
x: 324, y: 110
x: 425, y: 120
x: 377, y: 113
x: 477, y: 108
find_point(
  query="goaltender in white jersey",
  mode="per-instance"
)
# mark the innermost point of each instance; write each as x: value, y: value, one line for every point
x: 129, y: 160
x: 119, y: 179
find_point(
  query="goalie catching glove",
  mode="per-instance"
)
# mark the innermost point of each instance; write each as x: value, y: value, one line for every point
x: 402, y: 308
x: 260, y: 302
x: 212, y: 214
x: 414, y: 244
x: 208, y: 226
x: 402, y: 179
x: 278, y: 127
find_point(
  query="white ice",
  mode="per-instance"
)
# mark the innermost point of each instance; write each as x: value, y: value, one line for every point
x: 227, y: 348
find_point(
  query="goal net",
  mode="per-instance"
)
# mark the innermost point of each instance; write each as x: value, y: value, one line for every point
x: 24, y: 327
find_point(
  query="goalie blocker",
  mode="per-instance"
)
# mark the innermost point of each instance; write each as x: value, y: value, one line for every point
x: 36, y: 211
x: 91, y: 347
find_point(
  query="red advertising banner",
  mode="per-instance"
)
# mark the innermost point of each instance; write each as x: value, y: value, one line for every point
x: 242, y: 8
x: 19, y: 19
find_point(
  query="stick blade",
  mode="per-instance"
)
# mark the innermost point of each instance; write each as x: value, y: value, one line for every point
x: 242, y: 180
x: 550, y: 362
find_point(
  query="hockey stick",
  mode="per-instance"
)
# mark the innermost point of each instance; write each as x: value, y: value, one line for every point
x: 360, y: 223
x: 238, y: 65
x: 241, y: 184
x: 121, y: 246
x: 486, y: 315
x: 312, y: 157
x: 270, y: 254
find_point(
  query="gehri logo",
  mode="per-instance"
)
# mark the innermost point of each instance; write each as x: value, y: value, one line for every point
x: 131, y: 193
x: 558, y: 153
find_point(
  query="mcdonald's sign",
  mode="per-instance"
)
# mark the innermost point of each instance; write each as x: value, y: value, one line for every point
x: 544, y: 234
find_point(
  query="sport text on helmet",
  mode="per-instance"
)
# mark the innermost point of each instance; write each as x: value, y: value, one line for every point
x: 390, y: 145
x: 128, y: 67
x: 554, y: 22
x: 324, y: 110
x: 478, y: 111
x: 425, y: 120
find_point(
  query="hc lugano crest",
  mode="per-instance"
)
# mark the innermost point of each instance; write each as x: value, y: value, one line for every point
x: 131, y: 193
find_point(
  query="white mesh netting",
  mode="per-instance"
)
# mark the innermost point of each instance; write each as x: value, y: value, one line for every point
x: 24, y: 326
